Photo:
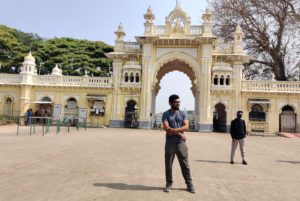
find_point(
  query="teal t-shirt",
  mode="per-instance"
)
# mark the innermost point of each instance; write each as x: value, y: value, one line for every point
x: 175, y: 120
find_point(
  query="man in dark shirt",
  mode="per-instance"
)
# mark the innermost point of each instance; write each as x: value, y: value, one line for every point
x: 238, y: 134
x: 175, y: 123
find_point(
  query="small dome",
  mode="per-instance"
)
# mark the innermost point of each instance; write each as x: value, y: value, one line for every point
x: 29, y: 57
x: 56, y: 71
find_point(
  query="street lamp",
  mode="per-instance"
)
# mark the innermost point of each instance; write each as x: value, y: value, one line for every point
x: 40, y: 66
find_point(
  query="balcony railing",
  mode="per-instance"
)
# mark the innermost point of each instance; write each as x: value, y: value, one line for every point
x: 271, y: 86
x: 75, y: 81
x: 162, y: 30
x: 10, y: 78
x: 132, y: 46
x: 223, y: 48
x: 196, y: 30
x: 221, y: 87
x: 104, y: 82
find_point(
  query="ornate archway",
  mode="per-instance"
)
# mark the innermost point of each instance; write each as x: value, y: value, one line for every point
x: 171, y: 62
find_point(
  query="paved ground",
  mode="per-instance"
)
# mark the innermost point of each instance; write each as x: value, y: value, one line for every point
x: 122, y: 164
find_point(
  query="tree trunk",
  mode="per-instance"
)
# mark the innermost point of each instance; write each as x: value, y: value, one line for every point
x: 279, y: 72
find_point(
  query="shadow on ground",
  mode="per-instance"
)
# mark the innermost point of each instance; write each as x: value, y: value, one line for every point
x: 292, y: 162
x: 211, y: 161
x: 122, y: 186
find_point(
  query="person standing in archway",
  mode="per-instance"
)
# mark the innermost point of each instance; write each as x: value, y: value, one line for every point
x: 238, y: 134
x: 175, y: 123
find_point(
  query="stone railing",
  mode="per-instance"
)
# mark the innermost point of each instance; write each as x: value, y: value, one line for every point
x: 104, y: 82
x: 221, y: 87
x: 223, y: 48
x: 270, y: 86
x: 196, y: 30
x: 74, y: 81
x: 160, y: 30
x: 10, y: 78
x: 132, y: 46
x: 131, y: 84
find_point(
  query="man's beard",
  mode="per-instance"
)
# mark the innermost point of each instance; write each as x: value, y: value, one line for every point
x: 175, y: 107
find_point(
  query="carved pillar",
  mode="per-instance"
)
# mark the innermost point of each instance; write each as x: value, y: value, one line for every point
x: 205, y: 100
x: 237, y: 82
x: 147, y: 96
x: 117, y: 66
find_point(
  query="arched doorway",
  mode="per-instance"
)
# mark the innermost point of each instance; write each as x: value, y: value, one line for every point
x: 131, y: 114
x: 175, y: 77
x: 8, y: 107
x: 287, y: 119
x: 257, y: 113
x: 219, y: 118
x: 71, y: 108
x: 46, y: 107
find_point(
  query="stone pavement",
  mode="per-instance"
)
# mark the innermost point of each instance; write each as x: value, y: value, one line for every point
x: 124, y: 164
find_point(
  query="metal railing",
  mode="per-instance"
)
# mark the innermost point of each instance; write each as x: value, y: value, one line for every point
x: 43, y: 125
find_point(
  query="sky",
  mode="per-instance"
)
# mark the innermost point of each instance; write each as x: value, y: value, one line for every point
x: 97, y: 20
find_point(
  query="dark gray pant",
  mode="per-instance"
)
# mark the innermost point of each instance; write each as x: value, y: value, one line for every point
x: 181, y: 152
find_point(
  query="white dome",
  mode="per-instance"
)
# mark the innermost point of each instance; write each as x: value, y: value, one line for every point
x: 29, y: 57
x: 56, y: 71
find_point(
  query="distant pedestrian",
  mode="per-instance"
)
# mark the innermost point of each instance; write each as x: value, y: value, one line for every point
x: 175, y: 122
x: 238, y: 134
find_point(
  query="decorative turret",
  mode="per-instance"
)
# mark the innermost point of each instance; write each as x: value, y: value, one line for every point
x: 238, y: 44
x: 28, y: 69
x: 28, y: 65
x: 149, y: 17
x: 207, y: 24
x: 56, y: 71
x: 178, y: 22
x: 119, y: 38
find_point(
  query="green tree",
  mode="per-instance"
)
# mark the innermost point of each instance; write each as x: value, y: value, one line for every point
x: 72, y: 55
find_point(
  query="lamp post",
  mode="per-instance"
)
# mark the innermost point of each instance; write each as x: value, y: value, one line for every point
x: 40, y: 66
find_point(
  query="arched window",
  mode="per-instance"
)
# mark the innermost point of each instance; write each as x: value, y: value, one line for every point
x: 228, y: 80
x: 287, y: 119
x: 46, y: 99
x: 131, y: 77
x: 72, y: 103
x: 257, y: 113
x: 222, y: 80
x: 137, y: 77
x: 126, y: 77
x: 8, y: 100
x: 287, y: 108
x: 216, y: 80
x: 8, y: 107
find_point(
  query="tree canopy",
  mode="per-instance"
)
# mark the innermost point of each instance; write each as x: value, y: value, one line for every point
x: 72, y: 55
x: 272, y: 31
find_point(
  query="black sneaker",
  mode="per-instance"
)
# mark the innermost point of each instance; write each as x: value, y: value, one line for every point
x: 231, y: 162
x: 168, y: 188
x: 190, y: 188
x: 244, y: 162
